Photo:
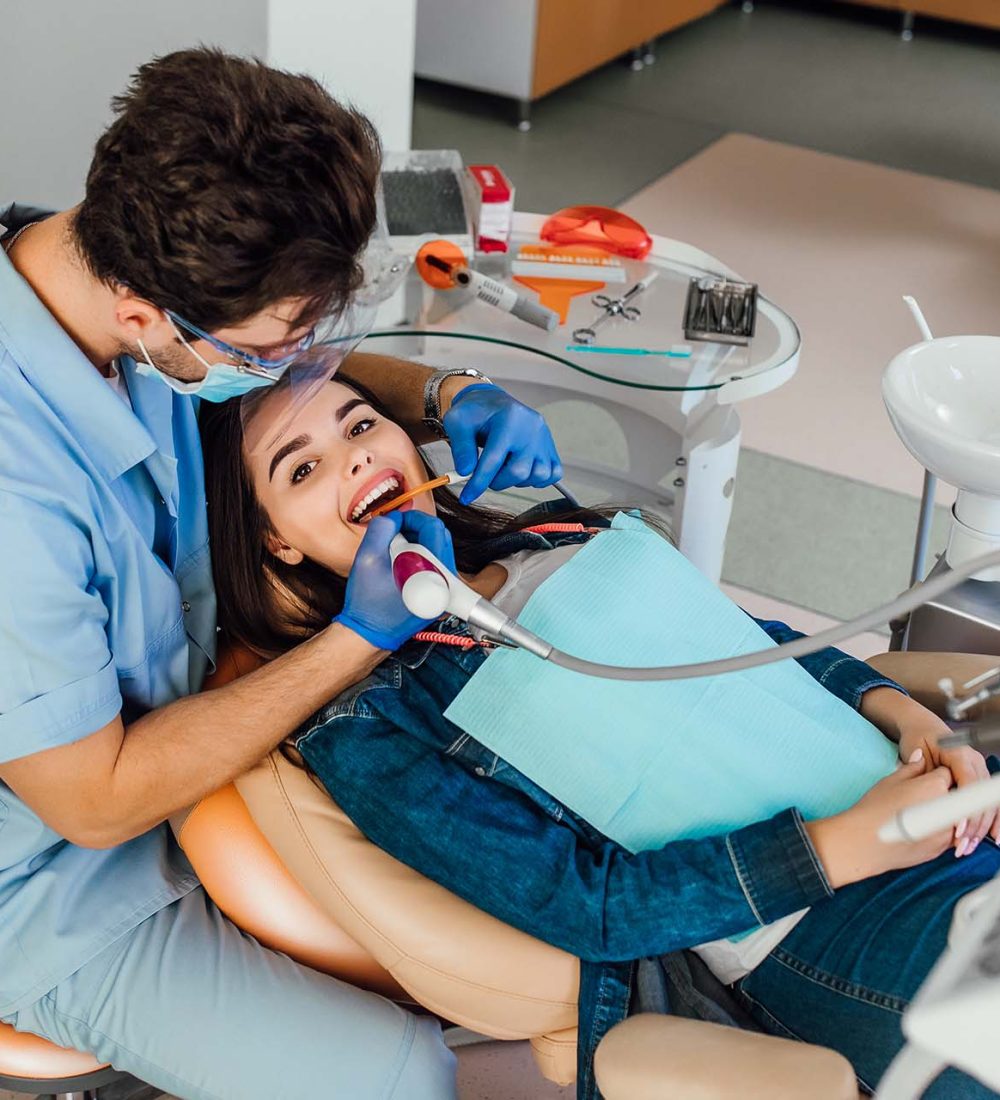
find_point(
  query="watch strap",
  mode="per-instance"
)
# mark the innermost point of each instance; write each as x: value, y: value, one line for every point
x: 432, y: 395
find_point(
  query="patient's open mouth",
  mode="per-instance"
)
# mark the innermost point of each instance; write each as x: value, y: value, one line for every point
x: 390, y: 487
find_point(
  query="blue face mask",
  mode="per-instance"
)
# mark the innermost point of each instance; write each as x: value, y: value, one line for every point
x: 221, y: 381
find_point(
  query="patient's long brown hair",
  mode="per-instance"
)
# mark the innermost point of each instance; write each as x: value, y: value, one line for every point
x: 271, y: 606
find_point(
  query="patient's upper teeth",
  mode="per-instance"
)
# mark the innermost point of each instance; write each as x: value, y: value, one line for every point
x: 372, y: 495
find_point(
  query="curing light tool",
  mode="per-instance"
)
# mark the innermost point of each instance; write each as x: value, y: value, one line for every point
x: 443, y: 266
x: 453, y: 478
x: 429, y: 589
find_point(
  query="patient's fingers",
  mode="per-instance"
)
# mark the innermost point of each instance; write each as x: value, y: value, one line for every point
x: 969, y: 766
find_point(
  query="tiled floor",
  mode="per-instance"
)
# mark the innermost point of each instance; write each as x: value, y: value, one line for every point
x: 837, y: 242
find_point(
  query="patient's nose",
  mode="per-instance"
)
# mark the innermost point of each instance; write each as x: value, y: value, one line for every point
x: 361, y: 461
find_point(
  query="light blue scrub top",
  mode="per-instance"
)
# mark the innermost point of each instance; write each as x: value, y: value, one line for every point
x: 106, y: 606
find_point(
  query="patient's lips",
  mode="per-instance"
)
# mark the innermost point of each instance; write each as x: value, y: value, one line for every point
x: 381, y: 489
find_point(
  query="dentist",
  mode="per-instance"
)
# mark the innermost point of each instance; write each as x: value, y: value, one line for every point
x: 226, y: 209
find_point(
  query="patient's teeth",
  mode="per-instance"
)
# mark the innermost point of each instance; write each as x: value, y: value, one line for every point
x: 373, y: 495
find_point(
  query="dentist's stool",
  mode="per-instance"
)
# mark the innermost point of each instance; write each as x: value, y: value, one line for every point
x: 29, y: 1063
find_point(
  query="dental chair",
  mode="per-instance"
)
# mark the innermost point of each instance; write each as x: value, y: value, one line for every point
x: 289, y: 867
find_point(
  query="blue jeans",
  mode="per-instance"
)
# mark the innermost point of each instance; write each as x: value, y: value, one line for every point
x: 846, y: 972
x: 188, y: 1003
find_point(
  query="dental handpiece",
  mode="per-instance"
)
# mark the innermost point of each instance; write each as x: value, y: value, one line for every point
x: 983, y: 735
x: 917, y: 822
x: 430, y: 589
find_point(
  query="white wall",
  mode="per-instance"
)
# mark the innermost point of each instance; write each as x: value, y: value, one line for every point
x: 63, y: 60
x: 362, y: 50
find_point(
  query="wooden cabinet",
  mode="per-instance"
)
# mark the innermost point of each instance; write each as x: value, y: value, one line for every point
x: 526, y: 48
x: 574, y: 36
x: 985, y: 13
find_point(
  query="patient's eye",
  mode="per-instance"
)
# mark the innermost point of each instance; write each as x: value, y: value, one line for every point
x: 362, y: 425
x: 302, y: 471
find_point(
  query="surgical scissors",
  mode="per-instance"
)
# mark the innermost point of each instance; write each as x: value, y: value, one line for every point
x: 613, y: 307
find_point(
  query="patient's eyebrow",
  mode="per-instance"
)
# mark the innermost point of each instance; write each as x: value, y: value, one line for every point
x: 347, y: 406
x: 304, y: 440
x: 284, y: 451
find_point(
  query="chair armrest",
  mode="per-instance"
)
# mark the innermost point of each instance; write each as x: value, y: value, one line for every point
x: 919, y: 673
x: 649, y: 1057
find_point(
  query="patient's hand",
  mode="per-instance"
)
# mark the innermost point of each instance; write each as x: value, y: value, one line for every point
x: 966, y: 764
x: 913, y: 727
x: 848, y: 844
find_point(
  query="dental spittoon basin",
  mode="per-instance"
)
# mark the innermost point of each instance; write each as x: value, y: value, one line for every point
x: 943, y: 398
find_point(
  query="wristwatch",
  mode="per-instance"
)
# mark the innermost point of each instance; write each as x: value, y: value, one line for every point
x: 432, y: 396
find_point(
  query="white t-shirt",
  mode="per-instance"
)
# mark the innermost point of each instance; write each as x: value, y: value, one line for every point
x: 727, y: 959
x: 116, y: 380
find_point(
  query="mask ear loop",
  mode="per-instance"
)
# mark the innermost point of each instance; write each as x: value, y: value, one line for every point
x: 201, y: 359
x: 145, y: 355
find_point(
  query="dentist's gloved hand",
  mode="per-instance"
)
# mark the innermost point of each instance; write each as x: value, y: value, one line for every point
x: 517, y: 446
x: 373, y: 606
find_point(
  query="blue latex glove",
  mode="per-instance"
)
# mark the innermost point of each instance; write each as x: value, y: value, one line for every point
x: 373, y: 606
x: 517, y: 446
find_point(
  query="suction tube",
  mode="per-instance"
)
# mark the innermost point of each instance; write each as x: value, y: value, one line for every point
x: 480, y: 613
x: 800, y: 647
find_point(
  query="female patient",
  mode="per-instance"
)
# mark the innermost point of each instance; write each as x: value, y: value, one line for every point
x: 846, y: 928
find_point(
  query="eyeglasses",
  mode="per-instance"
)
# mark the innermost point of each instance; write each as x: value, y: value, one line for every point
x: 243, y: 358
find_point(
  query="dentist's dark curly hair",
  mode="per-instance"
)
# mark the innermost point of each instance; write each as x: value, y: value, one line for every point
x: 224, y: 186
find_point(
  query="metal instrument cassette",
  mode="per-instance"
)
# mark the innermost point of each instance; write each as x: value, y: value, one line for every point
x: 721, y: 310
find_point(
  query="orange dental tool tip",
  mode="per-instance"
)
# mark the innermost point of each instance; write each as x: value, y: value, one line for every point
x: 438, y: 262
x: 427, y: 486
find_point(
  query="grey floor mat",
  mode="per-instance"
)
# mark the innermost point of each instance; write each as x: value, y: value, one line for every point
x: 820, y: 541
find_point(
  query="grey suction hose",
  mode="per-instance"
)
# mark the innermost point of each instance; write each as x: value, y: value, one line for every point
x: 800, y: 647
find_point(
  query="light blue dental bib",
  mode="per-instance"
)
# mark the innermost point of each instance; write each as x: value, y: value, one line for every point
x: 648, y: 763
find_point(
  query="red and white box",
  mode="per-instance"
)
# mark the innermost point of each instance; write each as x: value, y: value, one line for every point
x: 492, y: 206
